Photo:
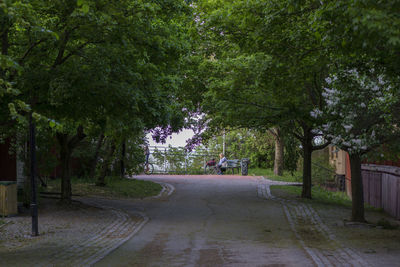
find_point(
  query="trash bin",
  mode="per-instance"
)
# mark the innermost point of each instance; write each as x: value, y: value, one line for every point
x: 8, y: 198
x: 244, y: 166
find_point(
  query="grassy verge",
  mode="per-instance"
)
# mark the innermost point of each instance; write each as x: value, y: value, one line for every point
x: 319, y: 196
x: 287, y: 176
x: 115, y: 187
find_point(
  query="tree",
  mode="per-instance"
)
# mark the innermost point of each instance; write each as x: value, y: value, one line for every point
x: 88, y: 64
x: 268, y: 64
x: 362, y: 108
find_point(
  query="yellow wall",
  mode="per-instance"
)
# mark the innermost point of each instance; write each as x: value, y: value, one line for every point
x: 337, y: 158
x: 8, y: 199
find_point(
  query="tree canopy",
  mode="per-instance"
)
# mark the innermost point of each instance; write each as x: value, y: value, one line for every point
x: 84, y: 65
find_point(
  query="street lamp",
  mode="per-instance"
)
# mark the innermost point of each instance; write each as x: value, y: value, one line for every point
x: 33, y: 208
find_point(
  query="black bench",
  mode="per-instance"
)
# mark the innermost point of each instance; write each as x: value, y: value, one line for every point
x: 232, y: 164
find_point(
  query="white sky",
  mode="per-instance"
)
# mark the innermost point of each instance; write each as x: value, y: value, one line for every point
x: 175, y: 140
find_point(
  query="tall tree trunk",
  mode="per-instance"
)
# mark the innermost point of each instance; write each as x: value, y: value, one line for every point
x: 279, y: 150
x: 123, y: 151
x: 95, y: 159
x: 106, y: 165
x: 307, y: 153
x: 357, y: 191
x: 65, y: 155
x: 67, y: 146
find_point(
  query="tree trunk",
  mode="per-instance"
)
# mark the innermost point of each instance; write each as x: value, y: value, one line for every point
x: 279, y: 150
x: 106, y: 165
x: 65, y: 155
x: 307, y: 153
x: 96, y: 156
x: 66, y: 148
x: 123, y: 150
x: 357, y: 191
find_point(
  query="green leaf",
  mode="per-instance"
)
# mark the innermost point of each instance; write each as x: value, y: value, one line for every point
x: 85, y: 8
x: 52, y: 123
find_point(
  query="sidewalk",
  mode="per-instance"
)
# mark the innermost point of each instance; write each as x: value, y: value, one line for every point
x: 77, y: 235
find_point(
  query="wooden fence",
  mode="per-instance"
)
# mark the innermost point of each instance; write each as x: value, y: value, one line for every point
x: 382, y: 187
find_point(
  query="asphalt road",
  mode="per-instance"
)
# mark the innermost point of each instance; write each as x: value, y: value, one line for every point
x: 209, y: 221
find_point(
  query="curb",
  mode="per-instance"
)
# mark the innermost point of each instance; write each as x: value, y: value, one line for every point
x: 166, y: 191
x: 117, y: 233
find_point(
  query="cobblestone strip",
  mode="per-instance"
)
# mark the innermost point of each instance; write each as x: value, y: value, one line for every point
x: 166, y: 191
x: 308, y: 226
x: 120, y: 228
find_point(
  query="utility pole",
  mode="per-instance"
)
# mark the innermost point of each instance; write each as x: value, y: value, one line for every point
x: 34, y: 208
x: 223, y: 143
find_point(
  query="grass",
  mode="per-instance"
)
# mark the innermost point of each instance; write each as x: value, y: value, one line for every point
x: 268, y: 173
x: 319, y: 196
x: 115, y: 187
x: 318, y: 193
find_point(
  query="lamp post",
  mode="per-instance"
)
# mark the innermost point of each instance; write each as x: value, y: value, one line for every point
x: 223, y: 142
x: 33, y: 207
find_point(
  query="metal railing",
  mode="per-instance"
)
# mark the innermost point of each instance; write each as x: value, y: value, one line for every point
x: 177, y: 160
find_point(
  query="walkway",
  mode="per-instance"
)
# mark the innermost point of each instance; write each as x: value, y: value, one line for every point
x: 211, y: 221
x: 203, y: 221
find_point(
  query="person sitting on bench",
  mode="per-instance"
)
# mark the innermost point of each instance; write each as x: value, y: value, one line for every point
x: 221, y: 164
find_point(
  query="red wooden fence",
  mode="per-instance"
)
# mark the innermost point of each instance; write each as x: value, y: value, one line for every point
x: 372, y: 182
x: 382, y: 187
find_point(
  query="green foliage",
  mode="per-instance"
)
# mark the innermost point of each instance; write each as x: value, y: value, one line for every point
x: 245, y: 143
x: 173, y: 158
x: 292, y: 153
x: 109, y: 67
x: 179, y: 161
x: 46, y: 153
x: 322, y: 172
x: 258, y: 146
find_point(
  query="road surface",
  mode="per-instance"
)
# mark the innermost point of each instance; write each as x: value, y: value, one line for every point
x: 210, y: 221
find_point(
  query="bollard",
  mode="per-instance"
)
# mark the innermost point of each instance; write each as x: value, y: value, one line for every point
x: 244, y: 166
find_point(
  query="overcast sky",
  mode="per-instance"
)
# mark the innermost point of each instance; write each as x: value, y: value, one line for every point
x: 176, y: 140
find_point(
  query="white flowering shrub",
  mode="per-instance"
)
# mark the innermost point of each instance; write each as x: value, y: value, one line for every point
x: 359, y: 110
